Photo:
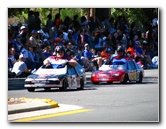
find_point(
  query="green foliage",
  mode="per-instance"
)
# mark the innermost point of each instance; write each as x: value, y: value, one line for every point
x: 142, y: 16
x: 70, y: 12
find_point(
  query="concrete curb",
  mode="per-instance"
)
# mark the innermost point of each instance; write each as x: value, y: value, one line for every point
x: 19, y: 105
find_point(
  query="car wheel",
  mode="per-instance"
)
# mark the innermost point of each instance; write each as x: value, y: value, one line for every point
x: 64, y: 85
x: 109, y: 82
x: 81, y: 84
x: 31, y: 89
x: 96, y: 83
x: 47, y: 88
x: 140, y: 78
x: 125, y: 79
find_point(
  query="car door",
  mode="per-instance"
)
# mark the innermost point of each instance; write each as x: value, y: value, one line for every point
x: 139, y: 69
x: 131, y: 71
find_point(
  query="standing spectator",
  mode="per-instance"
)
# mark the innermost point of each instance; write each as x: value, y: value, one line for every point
x: 133, y: 30
x: 104, y: 54
x: 37, y: 21
x: 22, y: 36
x: 76, y: 24
x: 77, y: 38
x: 31, y: 21
x: 49, y: 22
x: 57, y: 21
x: 92, y: 24
x: 67, y: 22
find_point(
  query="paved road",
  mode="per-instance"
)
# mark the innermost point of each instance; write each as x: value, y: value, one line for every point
x: 106, y: 103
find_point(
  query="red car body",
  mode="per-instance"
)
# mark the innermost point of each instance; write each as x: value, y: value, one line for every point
x: 119, y: 71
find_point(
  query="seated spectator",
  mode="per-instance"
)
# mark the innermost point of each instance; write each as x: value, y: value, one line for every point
x: 104, y: 54
x: 91, y: 58
x: 155, y: 61
x: 20, y: 68
x: 11, y: 57
x: 131, y: 51
x: 140, y: 53
x: 31, y: 56
x: 38, y: 57
x: 96, y: 58
x: 32, y: 40
x: 46, y: 51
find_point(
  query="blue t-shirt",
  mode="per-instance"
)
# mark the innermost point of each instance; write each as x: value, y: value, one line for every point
x: 138, y: 50
x: 46, y: 54
x: 87, y: 54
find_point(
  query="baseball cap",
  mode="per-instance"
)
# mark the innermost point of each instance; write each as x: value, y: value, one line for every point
x: 86, y: 45
x: 137, y: 42
x: 21, y: 56
x: 22, y: 27
x: 34, y: 31
x: 70, y: 31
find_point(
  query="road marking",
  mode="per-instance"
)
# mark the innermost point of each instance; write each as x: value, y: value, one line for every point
x: 52, y: 115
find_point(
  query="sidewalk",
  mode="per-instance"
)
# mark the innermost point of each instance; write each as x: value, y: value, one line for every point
x: 19, y: 105
x: 20, y: 109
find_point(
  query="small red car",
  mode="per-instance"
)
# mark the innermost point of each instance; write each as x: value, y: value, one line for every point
x: 121, y: 70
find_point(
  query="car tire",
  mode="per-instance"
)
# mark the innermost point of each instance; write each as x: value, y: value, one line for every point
x: 64, y: 85
x: 47, y: 88
x: 31, y: 89
x: 81, y: 84
x: 96, y: 83
x: 109, y: 82
x: 125, y: 79
x: 140, y: 78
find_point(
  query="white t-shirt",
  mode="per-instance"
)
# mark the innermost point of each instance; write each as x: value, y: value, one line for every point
x: 155, y: 61
x: 33, y: 41
x: 19, y: 67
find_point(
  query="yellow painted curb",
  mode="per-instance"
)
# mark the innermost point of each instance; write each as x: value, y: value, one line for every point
x: 51, y: 102
x: 48, y: 101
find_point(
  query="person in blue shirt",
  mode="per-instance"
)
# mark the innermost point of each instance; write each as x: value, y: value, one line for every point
x: 146, y: 60
x: 97, y: 61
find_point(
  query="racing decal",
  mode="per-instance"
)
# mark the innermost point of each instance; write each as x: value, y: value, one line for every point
x: 74, y: 81
x: 55, y: 60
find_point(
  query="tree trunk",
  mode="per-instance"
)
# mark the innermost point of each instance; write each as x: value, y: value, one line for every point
x: 101, y: 13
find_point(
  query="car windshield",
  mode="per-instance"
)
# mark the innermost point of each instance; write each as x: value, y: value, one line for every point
x: 118, y: 65
x: 56, y: 66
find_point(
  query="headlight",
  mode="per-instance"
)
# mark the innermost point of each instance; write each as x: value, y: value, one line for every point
x: 115, y: 75
x: 92, y: 75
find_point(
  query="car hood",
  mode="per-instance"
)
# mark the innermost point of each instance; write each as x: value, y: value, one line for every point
x: 113, y: 71
x: 48, y: 73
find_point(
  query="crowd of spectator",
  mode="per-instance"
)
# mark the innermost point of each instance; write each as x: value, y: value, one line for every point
x: 88, y: 42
